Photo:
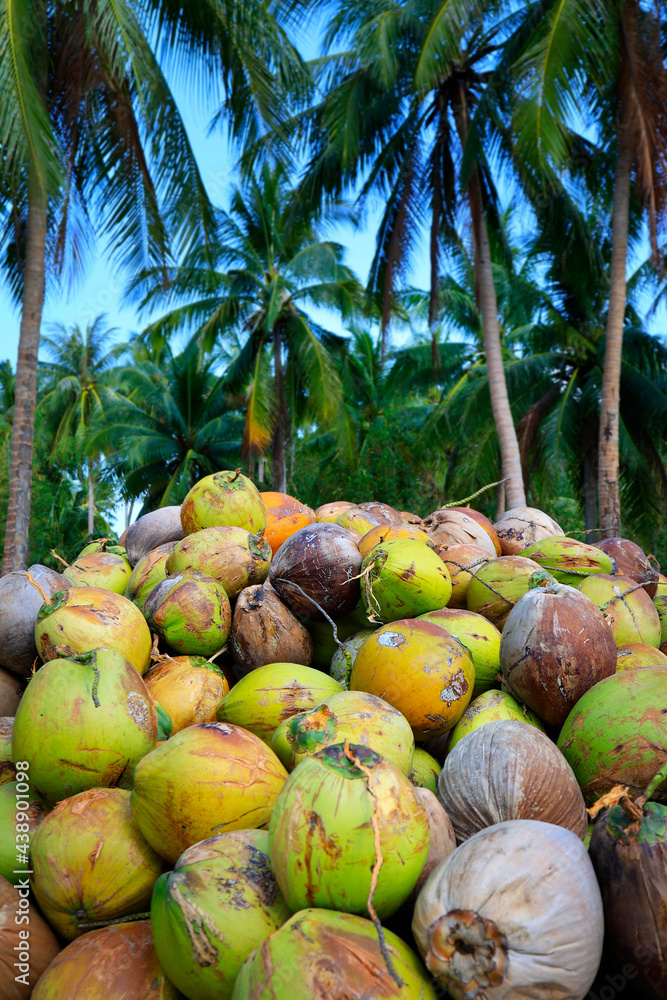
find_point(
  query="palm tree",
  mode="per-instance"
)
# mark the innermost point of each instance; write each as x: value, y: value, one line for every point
x: 91, y: 138
x: 396, y: 117
x: 77, y: 388
x: 605, y: 58
x: 270, y: 263
x: 174, y: 423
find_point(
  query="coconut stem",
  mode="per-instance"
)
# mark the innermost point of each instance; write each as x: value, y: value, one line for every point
x: 59, y: 558
x: 654, y: 784
x: 90, y: 925
x: 320, y: 609
x: 377, y: 867
x: 462, y: 503
x: 31, y: 580
x: 618, y: 597
x: 95, y: 669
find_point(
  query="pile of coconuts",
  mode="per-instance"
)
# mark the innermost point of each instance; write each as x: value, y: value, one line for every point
x: 255, y: 751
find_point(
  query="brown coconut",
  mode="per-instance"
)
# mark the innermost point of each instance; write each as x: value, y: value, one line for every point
x: 153, y: 529
x: 509, y: 770
x: 457, y: 526
x: 264, y: 631
x: 556, y: 644
x: 457, y: 558
x: 630, y: 560
x: 316, y: 573
x: 112, y: 963
x: 521, y: 526
x: 7, y: 769
x: 11, y: 689
x: 42, y: 947
x: 19, y: 605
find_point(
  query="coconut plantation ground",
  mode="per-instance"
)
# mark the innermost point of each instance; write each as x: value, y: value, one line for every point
x: 333, y: 621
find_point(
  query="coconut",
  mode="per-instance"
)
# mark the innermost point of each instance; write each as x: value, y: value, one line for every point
x: 191, y: 612
x: 616, y: 734
x: 27, y: 946
x: 349, y: 715
x: 189, y: 689
x: 225, y: 499
x: 387, y: 532
x: 103, y: 545
x: 153, y: 530
x: 343, y: 659
x: 521, y: 526
x: 264, y: 630
x: 90, y: 861
x: 442, y: 840
x: 509, y: 770
x: 7, y: 769
x: 273, y: 693
x: 634, y: 655
x: 497, y: 587
x: 363, y: 517
x: 20, y: 815
x: 403, y: 578
x: 320, y: 954
x: 480, y: 637
x: 233, y: 556
x: 462, y: 562
x: 285, y: 515
x: 568, y: 560
x: 359, y: 805
x: 20, y: 602
x: 462, y: 526
x: 150, y: 570
x: 228, y: 884
x: 325, y: 644
x: 11, y: 689
x: 660, y: 602
x: 85, y: 618
x: 207, y: 779
x: 316, y: 572
x: 420, y: 669
x: 329, y: 511
x: 514, y: 912
x: 629, y: 559
x: 106, y: 570
x: 629, y: 854
x: 491, y: 706
x: 630, y: 612
x: 555, y: 646
x: 425, y: 770
x: 83, y: 723
x: 114, y: 963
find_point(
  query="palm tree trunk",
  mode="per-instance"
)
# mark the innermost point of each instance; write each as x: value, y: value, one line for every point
x: 15, y: 555
x: 486, y: 293
x: 608, y: 498
x: 91, y: 500
x: 278, y: 444
x: 590, y: 499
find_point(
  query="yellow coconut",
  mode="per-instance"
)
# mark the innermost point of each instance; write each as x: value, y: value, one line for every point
x: 189, y: 688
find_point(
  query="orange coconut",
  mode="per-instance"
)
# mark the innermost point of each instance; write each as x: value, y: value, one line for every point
x: 285, y: 516
x: 384, y: 532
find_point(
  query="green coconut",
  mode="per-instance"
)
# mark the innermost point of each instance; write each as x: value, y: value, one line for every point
x: 479, y: 636
x: 497, y: 586
x: 425, y: 770
x: 568, y: 560
x: 267, y: 696
x: 343, y: 659
x: 84, y: 618
x: 403, y: 578
x: 83, y: 723
x: 616, y: 734
x: 220, y: 903
x: 491, y: 706
x: 660, y: 601
x: 338, y: 810
x: 191, y: 613
x: 90, y: 862
x: 207, y: 779
x: 340, y: 953
x: 150, y: 570
x: 21, y: 812
x: 233, y: 556
x: 224, y: 499
x: 634, y: 655
x: 103, y: 545
x: 107, y: 570
x: 351, y: 715
x: 630, y: 612
x: 324, y: 644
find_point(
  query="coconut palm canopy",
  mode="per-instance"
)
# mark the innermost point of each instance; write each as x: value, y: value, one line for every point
x: 505, y: 328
